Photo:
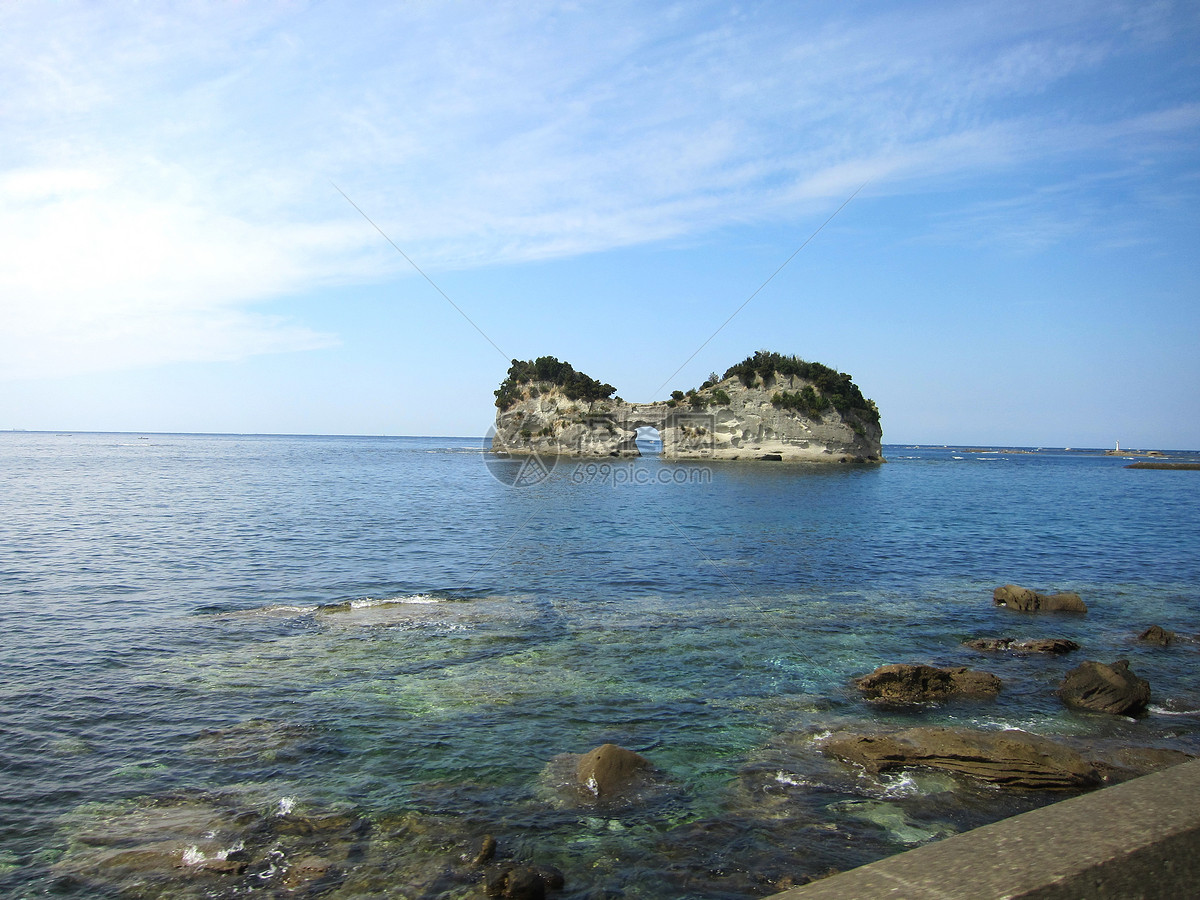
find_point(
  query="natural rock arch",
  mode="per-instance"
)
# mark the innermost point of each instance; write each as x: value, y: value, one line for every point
x: 768, y: 407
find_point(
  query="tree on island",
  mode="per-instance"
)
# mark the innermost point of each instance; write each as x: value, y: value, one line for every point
x: 828, y: 386
x: 550, y: 370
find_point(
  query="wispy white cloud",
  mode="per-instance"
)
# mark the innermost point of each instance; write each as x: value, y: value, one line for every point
x: 162, y: 171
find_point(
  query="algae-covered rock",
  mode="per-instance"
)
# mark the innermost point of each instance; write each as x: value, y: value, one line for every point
x: 1030, y: 645
x: 610, y: 769
x: 1158, y: 636
x: 1009, y: 759
x: 904, y: 683
x: 204, y: 844
x: 608, y: 775
x: 1110, y: 689
x: 1025, y: 600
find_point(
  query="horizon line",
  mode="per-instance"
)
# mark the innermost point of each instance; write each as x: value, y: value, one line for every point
x: 922, y: 445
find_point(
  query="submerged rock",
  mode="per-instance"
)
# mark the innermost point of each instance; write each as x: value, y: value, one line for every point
x: 1143, y: 760
x: 424, y: 854
x: 255, y: 740
x: 1158, y: 635
x: 1010, y: 759
x: 904, y: 683
x: 1030, y: 645
x: 893, y: 818
x: 1110, y: 689
x: 1025, y: 600
x: 202, y: 844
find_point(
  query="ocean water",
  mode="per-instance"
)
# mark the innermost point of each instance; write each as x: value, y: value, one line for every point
x: 327, y: 666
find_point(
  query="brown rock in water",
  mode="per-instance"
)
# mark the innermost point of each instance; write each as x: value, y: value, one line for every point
x: 903, y: 683
x: 610, y: 769
x: 1156, y: 634
x: 1143, y: 760
x: 1045, y: 645
x: 1025, y: 600
x: 1111, y: 689
x: 308, y: 868
x: 1031, y: 645
x: 487, y: 850
x: 523, y: 882
x: 1010, y: 759
x: 990, y: 644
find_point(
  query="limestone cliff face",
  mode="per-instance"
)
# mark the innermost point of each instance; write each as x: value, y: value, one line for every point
x: 727, y: 420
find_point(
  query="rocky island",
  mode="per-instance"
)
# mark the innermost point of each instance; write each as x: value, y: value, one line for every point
x: 768, y: 407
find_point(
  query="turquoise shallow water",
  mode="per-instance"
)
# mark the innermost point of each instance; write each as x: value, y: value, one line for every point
x: 176, y: 663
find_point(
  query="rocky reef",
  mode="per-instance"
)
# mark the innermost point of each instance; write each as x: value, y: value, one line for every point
x: 768, y: 407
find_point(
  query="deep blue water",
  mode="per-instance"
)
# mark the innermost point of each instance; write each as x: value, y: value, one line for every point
x: 168, y: 644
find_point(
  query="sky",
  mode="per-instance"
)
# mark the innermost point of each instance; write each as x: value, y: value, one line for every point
x: 303, y: 217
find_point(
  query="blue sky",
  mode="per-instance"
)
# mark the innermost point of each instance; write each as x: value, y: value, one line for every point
x: 606, y: 183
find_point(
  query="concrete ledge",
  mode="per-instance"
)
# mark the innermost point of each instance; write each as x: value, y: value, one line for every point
x: 1137, y: 839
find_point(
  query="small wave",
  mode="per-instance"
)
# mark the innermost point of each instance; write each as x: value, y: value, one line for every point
x: 194, y: 856
x: 902, y: 785
x: 374, y: 602
x: 793, y: 780
x: 273, y: 609
x: 285, y: 806
x: 990, y: 723
x: 414, y: 598
x: 1163, y: 711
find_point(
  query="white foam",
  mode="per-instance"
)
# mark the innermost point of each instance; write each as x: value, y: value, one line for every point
x: 791, y: 780
x: 286, y: 805
x: 368, y: 602
x: 193, y: 856
x: 902, y: 785
x: 1163, y: 711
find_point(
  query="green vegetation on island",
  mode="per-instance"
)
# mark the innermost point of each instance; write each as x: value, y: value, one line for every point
x: 805, y: 401
x: 827, y: 387
x: 549, y: 370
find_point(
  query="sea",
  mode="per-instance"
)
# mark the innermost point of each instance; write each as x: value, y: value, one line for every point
x: 239, y: 665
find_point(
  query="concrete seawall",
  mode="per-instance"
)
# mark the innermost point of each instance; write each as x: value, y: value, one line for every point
x: 1137, y: 839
